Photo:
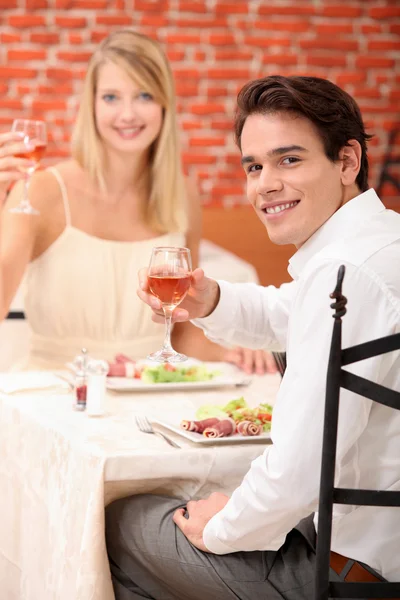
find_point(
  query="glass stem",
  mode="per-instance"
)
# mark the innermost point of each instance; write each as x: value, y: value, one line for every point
x: 25, y: 199
x: 168, y: 327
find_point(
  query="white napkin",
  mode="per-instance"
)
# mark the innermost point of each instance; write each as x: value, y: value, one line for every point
x: 26, y: 381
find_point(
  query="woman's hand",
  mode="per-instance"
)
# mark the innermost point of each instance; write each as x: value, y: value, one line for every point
x: 10, y: 145
x: 200, y: 301
x: 251, y: 361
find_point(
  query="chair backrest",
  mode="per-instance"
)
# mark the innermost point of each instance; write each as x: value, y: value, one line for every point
x: 337, y: 378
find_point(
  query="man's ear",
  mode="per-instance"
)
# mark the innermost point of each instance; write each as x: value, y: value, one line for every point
x: 350, y: 157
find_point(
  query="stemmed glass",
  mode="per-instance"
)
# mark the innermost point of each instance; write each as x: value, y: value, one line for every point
x: 32, y: 132
x: 169, y: 277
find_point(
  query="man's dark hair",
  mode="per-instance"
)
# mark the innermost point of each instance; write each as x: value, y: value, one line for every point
x: 333, y: 111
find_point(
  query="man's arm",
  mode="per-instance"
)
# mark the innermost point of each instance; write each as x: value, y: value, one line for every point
x: 282, y: 485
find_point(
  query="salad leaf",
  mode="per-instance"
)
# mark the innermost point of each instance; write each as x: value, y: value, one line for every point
x: 208, y: 410
x: 167, y: 373
x: 235, y: 404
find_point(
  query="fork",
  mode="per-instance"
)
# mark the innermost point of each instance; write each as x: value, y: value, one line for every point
x: 145, y: 426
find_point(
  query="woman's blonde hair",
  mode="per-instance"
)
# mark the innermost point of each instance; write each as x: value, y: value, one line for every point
x: 145, y: 62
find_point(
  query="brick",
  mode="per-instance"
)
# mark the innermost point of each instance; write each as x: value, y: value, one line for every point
x: 333, y: 28
x: 11, y: 104
x: 203, y: 23
x: 22, y: 90
x: 215, y: 92
x: 98, y: 36
x: 234, y: 55
x: 191, y: 125
x: 183, y: 38
x: 367, y: 92
x: 187, y: 89
x: 327, y: 43
x: 25, y: 55
x: 88, y: 4
x: 295, y: 26
x: 207, y: 109
x: 226, y: 125
x: 294, y: 9
x: 151, y: 5
x: 187, y: 73
x: 384, y: 12
x: 280, y: 59
x: 75, y: 38
x: 71, y: 22
x: 49, y: 105
x: 63, y: 89
x: 199, y: 55
x: 222, y: 39
x: 3, y: 88
x: 62, y: 74
x: 25, y: 21
x: 394, y: 94
x: 232, y: 8
x: 207, y: 142
x: 74, y: 56
x: 36, y: 5
x: 341, y: 10
x: 45, y: 38
x: 331, y: 60
x: 192, y: 6
x: 114, y: 19
x: 175, y: 55
x: 229, y: 74
x: 367, y: 29
x: 374, y: 62
x: 228, y: 190
x: 10, y: 38
x: 189, y: 158
x: 383, y: 45
x: 17, y: 73
x: 266, y: 42
x: 8, y: 4
x: 394, y: 28
x: 154, y: 20
x: 351, y: 77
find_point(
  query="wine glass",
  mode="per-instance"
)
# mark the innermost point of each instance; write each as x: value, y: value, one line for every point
x: 169, y: 276
x: 31, y: 132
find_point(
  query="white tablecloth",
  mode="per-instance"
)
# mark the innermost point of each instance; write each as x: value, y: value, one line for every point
x: 59, y: 468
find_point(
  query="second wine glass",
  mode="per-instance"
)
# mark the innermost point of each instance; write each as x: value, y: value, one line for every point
x: 169, y: 276
x: 32, y: 132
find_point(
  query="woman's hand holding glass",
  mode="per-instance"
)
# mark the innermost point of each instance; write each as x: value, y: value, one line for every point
x: 34, y: 139
x: 12, y: 166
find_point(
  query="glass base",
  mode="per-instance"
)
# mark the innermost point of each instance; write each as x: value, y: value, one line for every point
x: 24, y: 209
x: 168, y: 356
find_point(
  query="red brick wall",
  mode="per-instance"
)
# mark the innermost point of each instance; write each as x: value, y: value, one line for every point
x: 215, y: 46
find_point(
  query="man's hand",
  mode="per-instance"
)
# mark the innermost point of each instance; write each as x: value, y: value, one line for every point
x: 199, y: 513
x: 251, y: 361
x: 200, y: 301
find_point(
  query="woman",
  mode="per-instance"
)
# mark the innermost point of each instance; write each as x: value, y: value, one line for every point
x: 101, y: 212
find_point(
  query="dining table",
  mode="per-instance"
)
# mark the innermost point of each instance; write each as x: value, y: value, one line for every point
x: 60, y: 468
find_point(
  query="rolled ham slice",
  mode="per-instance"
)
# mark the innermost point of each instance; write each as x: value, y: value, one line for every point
x: 223, y: 428
x: 199, y: 426
x: 249, y: 428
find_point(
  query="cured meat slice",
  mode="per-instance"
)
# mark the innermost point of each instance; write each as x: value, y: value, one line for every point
x: 223, y: 428
x: 199, y: 426
x: 249, y: 428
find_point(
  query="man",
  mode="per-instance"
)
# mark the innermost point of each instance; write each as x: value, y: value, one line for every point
x: 303, y: 147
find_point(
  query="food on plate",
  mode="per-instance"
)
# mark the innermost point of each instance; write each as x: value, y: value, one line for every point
x: 123, y: 366
x: 234, y: 417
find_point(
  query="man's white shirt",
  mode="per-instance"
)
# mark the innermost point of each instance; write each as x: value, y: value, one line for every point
x: 282, y: 485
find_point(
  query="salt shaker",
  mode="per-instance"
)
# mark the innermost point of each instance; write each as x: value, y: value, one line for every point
x: 96, y: 387
x: 80, y: 388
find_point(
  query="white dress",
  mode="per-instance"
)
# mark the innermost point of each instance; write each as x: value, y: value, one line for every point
x: 81, y: 292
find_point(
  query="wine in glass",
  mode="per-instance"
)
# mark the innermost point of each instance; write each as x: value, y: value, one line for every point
x: 32, y: 132
x: 169, y: 276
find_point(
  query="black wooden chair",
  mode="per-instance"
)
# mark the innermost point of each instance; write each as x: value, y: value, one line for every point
x: 337, y: 378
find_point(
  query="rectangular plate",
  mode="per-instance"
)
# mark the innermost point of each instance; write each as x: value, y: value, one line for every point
x: 199, y: 438
x: 228, y: 376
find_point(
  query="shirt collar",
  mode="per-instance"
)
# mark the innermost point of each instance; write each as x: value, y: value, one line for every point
x: 341, y: 223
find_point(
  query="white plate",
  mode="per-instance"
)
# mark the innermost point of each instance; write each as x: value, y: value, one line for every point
x: 229, y: 376
x: 199, y: 438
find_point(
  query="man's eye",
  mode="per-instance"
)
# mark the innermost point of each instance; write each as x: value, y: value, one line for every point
x: 253, y: 168
x: 145, y: 96
x: 109, y: 97
x: 290, y: 160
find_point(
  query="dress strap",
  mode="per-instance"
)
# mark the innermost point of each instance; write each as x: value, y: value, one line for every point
x: 64, y: 194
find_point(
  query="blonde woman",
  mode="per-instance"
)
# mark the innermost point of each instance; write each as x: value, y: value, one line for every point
x: 101, y: 212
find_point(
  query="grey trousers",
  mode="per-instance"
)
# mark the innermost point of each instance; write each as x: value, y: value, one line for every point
x: 151, y: 558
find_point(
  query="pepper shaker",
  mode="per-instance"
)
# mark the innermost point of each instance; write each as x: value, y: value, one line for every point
x: 80, y: 388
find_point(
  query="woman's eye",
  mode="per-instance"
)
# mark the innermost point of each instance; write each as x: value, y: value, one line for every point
x: 109, y: 97
x: 253, y: 168
x: 145, y: 96
x: 290, y: 160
